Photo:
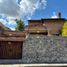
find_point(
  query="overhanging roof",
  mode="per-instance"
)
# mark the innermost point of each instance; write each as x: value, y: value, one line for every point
x: 54, y: 19
x: 48, y: 19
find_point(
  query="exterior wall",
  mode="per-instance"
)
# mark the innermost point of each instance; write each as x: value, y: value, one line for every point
x: 54, y: 26
x: 36, y: 26
x: 35, y: 23
x: 37, y: 29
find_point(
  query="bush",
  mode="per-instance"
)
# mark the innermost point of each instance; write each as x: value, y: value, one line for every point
x: 64, y: 29
x: 20, y: 25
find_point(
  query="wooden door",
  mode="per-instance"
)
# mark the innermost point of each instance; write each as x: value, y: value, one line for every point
x: 10, y: 50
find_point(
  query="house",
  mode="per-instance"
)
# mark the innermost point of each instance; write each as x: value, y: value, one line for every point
x: 11, y: 42
x: 49, y: 26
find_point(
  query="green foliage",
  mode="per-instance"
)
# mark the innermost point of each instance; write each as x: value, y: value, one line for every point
x: 20, y: 25
x: 64, y: 30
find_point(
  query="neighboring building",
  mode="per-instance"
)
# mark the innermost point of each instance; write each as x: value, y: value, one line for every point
x: 50, y: 26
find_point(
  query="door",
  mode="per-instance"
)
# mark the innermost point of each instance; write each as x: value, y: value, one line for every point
x: 10, y: 50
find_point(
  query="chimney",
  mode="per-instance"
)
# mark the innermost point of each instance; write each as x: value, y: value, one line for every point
x: 59, y: 15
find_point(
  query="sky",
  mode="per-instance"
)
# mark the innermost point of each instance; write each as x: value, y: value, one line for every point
x: 30, y: 10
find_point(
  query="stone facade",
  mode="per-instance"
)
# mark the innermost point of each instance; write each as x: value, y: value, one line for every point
x: 45, y: 49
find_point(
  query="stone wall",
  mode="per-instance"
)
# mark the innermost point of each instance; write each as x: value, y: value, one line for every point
x: 45, y: 49
x: 42, y: 49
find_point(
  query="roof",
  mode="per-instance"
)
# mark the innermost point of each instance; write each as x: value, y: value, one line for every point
x: 48, y: 19
x: 34, y: 20
x: 3, y: 27
x: 13, y: 36
x: 12, y: 39
x: 54, y: 19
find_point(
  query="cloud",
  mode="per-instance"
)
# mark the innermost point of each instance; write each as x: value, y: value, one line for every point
x: 12, y: 28
x: 54, y: 15
x: 8, y: 22
x: 3, y: 21
x: 28, y: 7
x: 19, y: 8
x: 9, y: 8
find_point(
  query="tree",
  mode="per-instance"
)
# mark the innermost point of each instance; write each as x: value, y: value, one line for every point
x: 64, y: 29
x: 20, y: 25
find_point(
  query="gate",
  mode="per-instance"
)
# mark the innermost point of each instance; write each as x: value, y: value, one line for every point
x: 10, y: 50
x: 11, y: 43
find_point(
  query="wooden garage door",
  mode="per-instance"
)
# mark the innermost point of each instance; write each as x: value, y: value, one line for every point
x: 10, y: 50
